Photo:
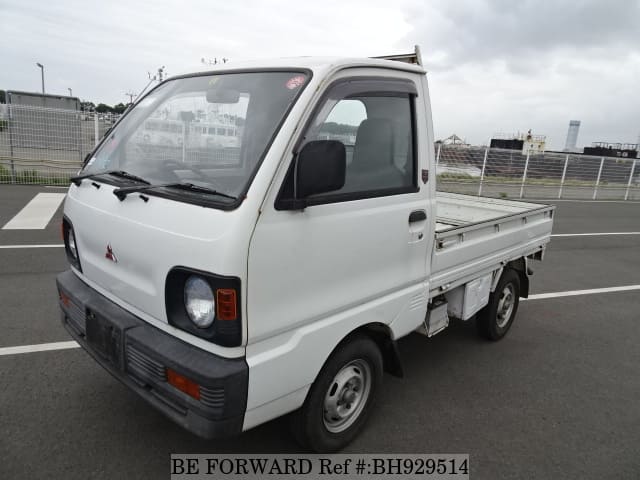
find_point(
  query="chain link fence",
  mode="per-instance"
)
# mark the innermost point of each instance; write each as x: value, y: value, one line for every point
x: 512, y: 174
x: 45, y: 145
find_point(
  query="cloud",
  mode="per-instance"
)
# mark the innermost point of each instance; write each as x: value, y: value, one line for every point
x: 493, y: 65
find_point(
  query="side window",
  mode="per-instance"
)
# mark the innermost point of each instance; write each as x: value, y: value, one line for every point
x: 377, y: 132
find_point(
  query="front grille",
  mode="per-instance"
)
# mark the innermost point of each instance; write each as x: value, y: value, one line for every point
x: 144, y: 367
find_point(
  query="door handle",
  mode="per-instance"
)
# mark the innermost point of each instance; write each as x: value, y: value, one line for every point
x: 417, y: 216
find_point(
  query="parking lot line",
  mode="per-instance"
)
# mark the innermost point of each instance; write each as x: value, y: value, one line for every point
x: 594, y: 234
x: 44, y: 347
x: 41, y: 347
x: 57, y: 245
x: 36, y: 214
x: 591, y: 291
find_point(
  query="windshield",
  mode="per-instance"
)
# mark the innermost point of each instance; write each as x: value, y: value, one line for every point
x: 211, y: 131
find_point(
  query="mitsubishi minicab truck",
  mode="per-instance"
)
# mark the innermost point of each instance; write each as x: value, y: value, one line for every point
x: 230, y: 283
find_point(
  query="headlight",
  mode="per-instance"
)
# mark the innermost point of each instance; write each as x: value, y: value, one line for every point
x: 199, y: 301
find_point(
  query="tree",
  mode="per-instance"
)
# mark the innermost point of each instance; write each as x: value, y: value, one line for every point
x: 119, y: 108
x: 87, y: 106
x: 103, y: 108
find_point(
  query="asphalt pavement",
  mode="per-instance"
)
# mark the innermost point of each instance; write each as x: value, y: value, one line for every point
x: 559, y: 397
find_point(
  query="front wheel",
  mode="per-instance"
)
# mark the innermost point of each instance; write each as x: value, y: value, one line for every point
x: 341, y: 398
x: 496, y: 318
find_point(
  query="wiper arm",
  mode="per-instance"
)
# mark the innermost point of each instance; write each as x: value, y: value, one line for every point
x: 77, y: 180
x: 122, y: 192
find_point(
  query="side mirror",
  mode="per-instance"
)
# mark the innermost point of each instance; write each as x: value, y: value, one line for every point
x: 321, y: 167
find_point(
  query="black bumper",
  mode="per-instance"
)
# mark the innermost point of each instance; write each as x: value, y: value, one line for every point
x: 139, y: 354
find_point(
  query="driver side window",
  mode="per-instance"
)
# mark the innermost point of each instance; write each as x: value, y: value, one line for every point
x: 376, y: 129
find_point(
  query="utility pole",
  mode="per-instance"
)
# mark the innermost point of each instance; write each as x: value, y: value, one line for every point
x: 130, y: 94
x: 42, y: 74
x: 70, y: 92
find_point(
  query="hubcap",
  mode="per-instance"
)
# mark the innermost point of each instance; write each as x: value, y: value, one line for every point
x: 505, y: 305
x: 347, y: 396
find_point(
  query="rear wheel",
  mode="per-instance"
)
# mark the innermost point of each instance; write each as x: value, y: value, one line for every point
x: 494, y: 320
x: 341, y: 398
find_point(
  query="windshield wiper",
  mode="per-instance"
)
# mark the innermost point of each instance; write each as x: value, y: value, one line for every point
x: 116, y: 173
x: 122, y: 192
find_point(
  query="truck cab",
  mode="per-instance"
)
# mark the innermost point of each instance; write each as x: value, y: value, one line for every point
x: 228, y: 286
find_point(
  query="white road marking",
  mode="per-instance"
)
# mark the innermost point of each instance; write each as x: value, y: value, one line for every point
x: 41, y: 347
x: 595, y: 234
x: 591, y: 291
x: 33, y: 246
x: 37, y: 213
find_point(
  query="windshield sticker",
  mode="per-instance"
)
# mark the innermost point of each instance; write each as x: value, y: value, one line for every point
x: 295, y: 82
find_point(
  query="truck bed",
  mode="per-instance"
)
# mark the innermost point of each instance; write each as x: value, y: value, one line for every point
x: 476, y: 235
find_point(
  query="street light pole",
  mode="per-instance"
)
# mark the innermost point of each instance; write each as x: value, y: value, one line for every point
x: 42, y: 73
x: 70, y: 92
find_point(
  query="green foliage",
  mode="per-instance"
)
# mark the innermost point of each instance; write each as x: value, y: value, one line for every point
x: 338, y: 128
x: 32, y: 177
x: 103, y: 108
x: 119, y: 108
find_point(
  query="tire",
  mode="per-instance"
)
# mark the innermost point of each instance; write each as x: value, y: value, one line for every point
x: 495, y: 320
x: 341, y: 398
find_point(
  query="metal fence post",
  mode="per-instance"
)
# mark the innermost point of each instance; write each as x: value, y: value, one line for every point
x: 96, y: 129
x: 438, y: 155
x: 524, y: 175
x: 595, y: 190
x: 633, y: 167
x: 10, y: 129
x: 564, y: 174
x: 484, y: 165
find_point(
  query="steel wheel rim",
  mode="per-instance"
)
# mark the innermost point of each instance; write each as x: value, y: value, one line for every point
x: 505, y: 305
x: 347, y: 396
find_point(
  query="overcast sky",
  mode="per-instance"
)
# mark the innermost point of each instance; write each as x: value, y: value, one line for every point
x: 494, y: 66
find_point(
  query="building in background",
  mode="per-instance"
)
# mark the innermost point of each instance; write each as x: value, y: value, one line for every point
x: 453, y: 140
x: 620, y: 150
x: 525, y: 142
x: 34, y: 99
x: 572, y: 136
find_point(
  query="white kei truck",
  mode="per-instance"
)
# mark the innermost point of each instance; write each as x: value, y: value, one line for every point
x: 230, y: 286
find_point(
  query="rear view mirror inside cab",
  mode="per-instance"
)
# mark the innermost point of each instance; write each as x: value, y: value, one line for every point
x: 223, y: 95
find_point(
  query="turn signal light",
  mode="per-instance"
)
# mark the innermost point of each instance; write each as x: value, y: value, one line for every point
x: 226, y: 304
x: 183, y: 384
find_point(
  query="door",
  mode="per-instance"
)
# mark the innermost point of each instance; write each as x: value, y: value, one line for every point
x: 349, y: 249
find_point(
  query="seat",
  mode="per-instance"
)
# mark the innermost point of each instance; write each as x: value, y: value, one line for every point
x: 372, y: 167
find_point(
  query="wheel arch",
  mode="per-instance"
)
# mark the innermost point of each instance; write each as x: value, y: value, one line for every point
x: 522, y: 269
x: 381, y: 334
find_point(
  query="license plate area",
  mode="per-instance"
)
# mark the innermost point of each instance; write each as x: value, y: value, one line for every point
x: 104, y: 337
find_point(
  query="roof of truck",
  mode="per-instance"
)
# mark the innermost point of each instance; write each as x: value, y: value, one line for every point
x: 312, y: 63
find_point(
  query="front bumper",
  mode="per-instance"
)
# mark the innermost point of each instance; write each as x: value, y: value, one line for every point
x: 139, y: 354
